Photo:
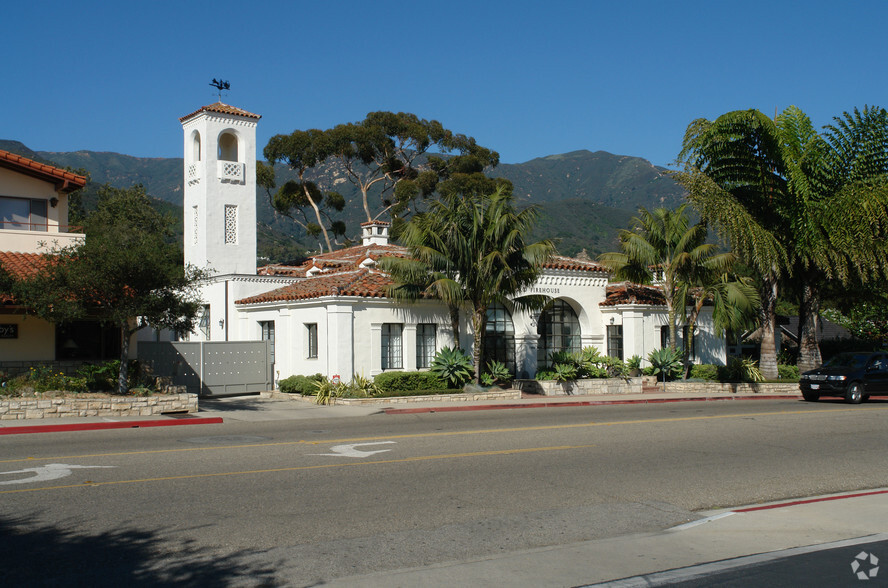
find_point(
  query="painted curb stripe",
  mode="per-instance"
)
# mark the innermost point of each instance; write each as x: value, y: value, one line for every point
x: 13, y: 430
x: 809, y: 501
x: 581, y: 403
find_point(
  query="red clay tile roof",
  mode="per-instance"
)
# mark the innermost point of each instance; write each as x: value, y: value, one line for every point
x: 342, y: 260
x: 65, y: 181
x: 221, y: 108
x: 340, y: 272
x: 626, y: 293
x: 561, y: 262
x: 363, y: 282
x: 20, y: 266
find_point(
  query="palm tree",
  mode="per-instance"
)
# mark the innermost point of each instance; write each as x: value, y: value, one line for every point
x: 793, y: 202
x: 471, y: 250
x: 663, y: 247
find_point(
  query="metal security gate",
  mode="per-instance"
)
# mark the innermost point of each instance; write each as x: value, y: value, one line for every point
x: 211, y: 368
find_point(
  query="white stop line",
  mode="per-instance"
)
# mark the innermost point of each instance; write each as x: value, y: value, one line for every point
x: 350, y: 451
x: 52, y: 471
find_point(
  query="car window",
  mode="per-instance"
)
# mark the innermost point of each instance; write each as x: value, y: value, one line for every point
x: 854, y: 361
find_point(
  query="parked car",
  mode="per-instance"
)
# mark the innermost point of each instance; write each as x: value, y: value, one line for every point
x: 853, y: 376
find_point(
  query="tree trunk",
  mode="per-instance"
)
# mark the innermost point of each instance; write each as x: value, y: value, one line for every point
x: 123, y: 373
x: 689, y: 340
x: 478, y: 324
x: 809, y: 323
x: 317, y: 212
x: 768, y: 349
x: 454, y: 325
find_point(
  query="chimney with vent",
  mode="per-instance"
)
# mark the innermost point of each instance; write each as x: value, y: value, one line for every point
x: 375, y: 233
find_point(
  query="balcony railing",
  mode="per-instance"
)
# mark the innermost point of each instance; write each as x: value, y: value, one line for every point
x: 194, y: 172
x: 29, y: 238
x: 231, y: 171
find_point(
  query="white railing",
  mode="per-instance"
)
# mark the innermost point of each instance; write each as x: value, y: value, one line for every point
x: 231, y: 171
x: 36, y: 241
x: 194, y: 172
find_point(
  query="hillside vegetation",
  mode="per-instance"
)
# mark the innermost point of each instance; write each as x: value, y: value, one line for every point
x: 584, y: 197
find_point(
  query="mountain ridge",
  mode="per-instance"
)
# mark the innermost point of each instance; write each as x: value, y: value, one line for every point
x: 583, y: 197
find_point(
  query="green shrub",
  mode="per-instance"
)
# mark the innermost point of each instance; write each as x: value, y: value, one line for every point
x: 744, y: 369
x: 453, y: 366
x: 545, y: 375
x: 633, y: 363
x: 304, y: 385
x: 788, y: 372
x: 705, y: 371
x: 390, y: 382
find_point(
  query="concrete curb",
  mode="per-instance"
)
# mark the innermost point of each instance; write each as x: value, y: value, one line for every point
x: 556, y: 404
x: 96, y: 426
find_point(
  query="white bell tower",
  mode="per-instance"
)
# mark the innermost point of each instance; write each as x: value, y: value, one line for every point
x: 220, y: 189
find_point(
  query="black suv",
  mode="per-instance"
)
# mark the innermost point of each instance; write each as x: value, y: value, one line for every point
x: 853, y: 376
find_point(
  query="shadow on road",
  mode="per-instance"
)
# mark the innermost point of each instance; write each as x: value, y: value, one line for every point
x: 232, y: 404
x: 45, y: 555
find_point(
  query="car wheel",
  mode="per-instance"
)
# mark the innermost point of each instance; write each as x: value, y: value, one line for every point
x: 854, y: 394
x: 811, y: 396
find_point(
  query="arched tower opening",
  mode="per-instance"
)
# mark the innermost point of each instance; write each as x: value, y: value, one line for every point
x: 227, y: 147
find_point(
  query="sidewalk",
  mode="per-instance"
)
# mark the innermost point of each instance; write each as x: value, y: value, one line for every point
x: 258, y: 408
x: 784, y: 530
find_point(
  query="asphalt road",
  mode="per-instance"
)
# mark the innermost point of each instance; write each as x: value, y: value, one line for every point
x: 300, y: 502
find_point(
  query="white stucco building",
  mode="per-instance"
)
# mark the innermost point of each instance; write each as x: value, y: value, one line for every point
x: 330, y: 315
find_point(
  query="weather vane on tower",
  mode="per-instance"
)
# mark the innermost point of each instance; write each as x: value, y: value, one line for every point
x: 220, y: 85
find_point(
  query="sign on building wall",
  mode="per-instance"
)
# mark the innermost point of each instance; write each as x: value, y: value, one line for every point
x: 9, y: 332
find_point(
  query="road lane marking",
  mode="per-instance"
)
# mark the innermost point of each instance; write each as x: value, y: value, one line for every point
x: 447, y: 434
x: 350, y: 451
x: 52, y: 471
x: 311, y: 467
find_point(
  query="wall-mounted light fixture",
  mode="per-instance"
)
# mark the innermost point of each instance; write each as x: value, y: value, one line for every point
x: 222, y: 323
x: 53, y: 201
x: 612, y: 320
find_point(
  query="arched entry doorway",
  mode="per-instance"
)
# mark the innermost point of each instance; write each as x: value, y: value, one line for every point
x: 559, y: 330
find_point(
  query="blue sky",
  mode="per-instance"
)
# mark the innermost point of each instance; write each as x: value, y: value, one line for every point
x: 527, y: 79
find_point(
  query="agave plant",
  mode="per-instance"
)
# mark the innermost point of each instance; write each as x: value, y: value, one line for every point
x: 666, y: 362
x: 498, y: 372
x: 453, y: 366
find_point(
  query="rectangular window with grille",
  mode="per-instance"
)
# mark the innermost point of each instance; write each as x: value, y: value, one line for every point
x: 312, y: 343
x: 392, y: 349
x: 231, y: 224
x: 425, y: 344
x: 268, y: 335
x: 615, y: 341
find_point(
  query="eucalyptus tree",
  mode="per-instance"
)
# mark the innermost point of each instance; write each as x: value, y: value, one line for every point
x: 471, y: 250
x: 301, y: 151
x: 392, y: 159
x: 793, y: 203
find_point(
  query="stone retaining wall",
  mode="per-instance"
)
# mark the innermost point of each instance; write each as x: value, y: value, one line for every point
x: 110, y: 406
x: 598, y: 386
x: 586, y: 387
x: 730, y: 388
x: 512, y: 394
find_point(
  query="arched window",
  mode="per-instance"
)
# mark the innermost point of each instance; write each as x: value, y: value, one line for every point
x: 195, y: 146
x: 227, y: 147
x: 559, y: 330
x: 499, y: 338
